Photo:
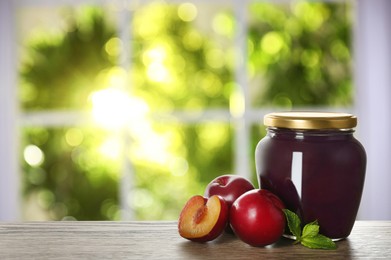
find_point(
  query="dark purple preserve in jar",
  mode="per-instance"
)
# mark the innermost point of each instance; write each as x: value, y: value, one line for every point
x: 312, y: 161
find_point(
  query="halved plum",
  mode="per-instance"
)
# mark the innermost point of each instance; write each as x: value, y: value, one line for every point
x: 203, y: 219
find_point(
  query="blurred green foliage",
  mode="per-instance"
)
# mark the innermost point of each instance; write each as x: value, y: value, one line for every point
x: 299, y: 55
x: 174, y: 70
x: 74, y: 181
x: 61, y: 73
x: 176, y: 65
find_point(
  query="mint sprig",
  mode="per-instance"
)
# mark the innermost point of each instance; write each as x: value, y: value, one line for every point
x: 309, y: 236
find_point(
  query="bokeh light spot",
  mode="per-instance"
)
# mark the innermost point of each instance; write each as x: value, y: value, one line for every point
x: 272, y: 43
x: 310, y: 58
x: 154, y: 59
x: 154, y: 55
x: 212, y: 135
x: 192, y: 40
x: 111, y: 148
x: 215, y: 58
x: 158, y: 72
x: 45, y: 198
x: 312, y: 15
x: 223, y: 24
x: 187, y: 12
x: 282, y: 100
x: 113, y: 47
x: 74, y: 137
x: 114, y: 108
x: 33, y: 155
x: 339, y: 50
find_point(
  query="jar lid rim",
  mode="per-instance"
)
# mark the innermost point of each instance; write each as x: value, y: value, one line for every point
x: 310, y: 120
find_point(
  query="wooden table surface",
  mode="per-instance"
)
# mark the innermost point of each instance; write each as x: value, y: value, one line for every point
x: 160, y: 240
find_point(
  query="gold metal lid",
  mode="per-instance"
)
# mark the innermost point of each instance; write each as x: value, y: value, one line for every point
x: 310, y: 120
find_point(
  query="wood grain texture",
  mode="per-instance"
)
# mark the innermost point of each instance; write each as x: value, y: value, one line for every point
x: 160, y: 240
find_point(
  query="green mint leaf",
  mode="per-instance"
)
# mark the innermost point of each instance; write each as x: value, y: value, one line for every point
x: 294, y: 223
x: 310, y: 236
x: 311, y: 229
x: 318, y: 242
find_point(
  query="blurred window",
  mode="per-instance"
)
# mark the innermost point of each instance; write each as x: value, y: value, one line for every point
x: 130, y: 108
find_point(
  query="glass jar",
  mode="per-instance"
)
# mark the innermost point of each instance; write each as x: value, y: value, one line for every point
x: 312, y: 161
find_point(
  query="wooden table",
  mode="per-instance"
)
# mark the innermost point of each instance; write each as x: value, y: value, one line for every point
x: 160, y: 240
